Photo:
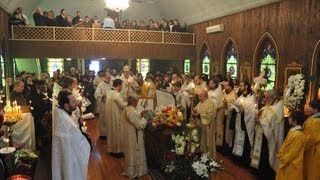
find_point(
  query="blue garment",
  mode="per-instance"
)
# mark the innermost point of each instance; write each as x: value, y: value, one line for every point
x: 108, y: 23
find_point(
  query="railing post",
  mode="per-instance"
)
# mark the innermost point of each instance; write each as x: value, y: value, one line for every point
x: 162, y: 36
x: 129, y: 33
x: 92, y: 34
x: 193, y: 38
x: 12, y: 34
x: 54, y: 33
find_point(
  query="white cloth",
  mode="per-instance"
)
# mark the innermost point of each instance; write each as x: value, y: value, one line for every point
x: 23, y: 131
x: 70, y: 149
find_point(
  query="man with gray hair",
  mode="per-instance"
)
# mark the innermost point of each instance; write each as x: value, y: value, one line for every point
x: 17, y: 93
x: 205, y: 111
x: 268, y: 135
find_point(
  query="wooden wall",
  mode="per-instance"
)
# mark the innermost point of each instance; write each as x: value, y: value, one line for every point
x: 74, y: 49
x: 293, y: 24
x: 4, y: 40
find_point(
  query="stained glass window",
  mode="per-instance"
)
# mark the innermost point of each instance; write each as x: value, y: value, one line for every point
x: 206, y: 62
x: 268, y: 64
x: 232, y: 62
x: 54, y: 64
x: 143, y: 66
x: 186, y: 66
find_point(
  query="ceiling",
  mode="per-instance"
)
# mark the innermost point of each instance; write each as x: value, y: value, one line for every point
x: 187, y: 11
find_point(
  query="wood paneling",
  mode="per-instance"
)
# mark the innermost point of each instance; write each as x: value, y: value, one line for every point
x: 4, y: 43
x: 73, y: 49
x: 293, y: 24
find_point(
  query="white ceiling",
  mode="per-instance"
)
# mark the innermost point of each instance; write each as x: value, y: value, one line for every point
x: 189, y: 11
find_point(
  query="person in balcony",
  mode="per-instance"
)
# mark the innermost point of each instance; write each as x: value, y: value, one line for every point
x: 117, y: 24
x: 95, y: 22
x: 176, y: 26
x: 16, y: 20
x: 49, y: 19
x: 77, y: 20
x: 61, y: 19
x: 39, y: 19
x: 22, y: 16
x: 142, y: 25
x: 108, y: 22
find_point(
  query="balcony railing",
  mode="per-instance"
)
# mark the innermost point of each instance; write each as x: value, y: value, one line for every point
x: 40, y: 33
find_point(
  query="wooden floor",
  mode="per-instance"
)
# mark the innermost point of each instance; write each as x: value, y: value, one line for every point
x: 102, y: 166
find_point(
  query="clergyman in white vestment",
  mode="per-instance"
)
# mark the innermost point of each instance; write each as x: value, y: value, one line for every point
x: 135, y: 162
x: 70, y: 148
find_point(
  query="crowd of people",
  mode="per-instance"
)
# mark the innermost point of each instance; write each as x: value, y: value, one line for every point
x: 64, y: 19
x: 232, y: 120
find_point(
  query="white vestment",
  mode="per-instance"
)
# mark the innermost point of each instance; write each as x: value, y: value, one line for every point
x: 135, y: 163
x: 215, y: 97
x: 70, y: 149
x: 248, y: 104
x: 101, y: 97
x: 114, y: 121
x: 271, y: 124
x: 183, y: 102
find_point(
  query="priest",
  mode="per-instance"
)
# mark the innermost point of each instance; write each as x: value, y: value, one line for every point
x: 135, y: 163
x: 205, y: 110
x: 114, y: 121
x: 101, y: 96
x: 244, y: 125
x: 70, y: 148
x: 268, y: 136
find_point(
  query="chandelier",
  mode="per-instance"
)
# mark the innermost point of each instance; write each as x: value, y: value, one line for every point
x: 117, y: 5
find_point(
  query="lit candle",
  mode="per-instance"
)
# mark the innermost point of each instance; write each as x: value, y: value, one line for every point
x: 84, y: 127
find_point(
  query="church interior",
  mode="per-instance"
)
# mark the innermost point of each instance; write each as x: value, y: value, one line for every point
x: 264, y: 48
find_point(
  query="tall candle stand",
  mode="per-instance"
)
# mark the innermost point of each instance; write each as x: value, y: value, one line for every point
x: 12, y: 114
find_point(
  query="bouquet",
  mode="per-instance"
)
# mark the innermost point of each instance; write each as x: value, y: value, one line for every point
x: 192, y: 167
x: 169, y: 116
x: 204, y: 165
x: 294, y: 92
x: 180, y: 141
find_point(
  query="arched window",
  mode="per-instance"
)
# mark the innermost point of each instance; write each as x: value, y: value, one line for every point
x: 268, y: 63
x: 186, y: 66
x: 232, y: 62
x: 206, y: 62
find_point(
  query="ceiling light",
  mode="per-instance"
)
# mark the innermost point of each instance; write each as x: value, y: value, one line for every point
x: 117, y: 5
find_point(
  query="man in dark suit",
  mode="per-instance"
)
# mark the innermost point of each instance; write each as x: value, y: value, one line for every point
x: 17, y: 93
x: 61, y: 19
x: 38, y: 18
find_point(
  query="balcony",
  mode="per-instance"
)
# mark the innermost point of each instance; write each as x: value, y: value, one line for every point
x: 71, y: 42
x: 100, y: 35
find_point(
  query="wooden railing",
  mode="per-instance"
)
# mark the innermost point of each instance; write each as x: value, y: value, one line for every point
x: 99, y: 35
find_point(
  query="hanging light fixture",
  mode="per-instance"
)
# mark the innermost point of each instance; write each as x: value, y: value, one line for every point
x: 117, y: 5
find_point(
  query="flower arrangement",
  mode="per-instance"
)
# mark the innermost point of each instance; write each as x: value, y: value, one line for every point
x: 180, y: 141
x: 204, y: 165
x: 169, y: 116
x: 192, y: 167
x: 22, y: 161
x: 294, y: 92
